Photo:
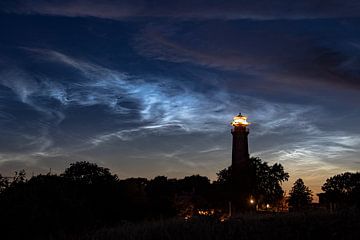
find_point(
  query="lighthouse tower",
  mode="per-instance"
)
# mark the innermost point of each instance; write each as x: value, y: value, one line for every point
x: 240, y: 147
x: 240, y: 165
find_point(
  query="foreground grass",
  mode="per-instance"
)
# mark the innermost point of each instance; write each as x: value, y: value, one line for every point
x: 294, y: 226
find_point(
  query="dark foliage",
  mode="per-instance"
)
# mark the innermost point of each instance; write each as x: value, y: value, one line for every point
x: 87, y: 196
x: 343, y: 189
x: 300, y: 196
x: 267, y: 180
x: 161, y: 194
x: 71, y: 202
x: 88, y: 173
x: 4, y: 183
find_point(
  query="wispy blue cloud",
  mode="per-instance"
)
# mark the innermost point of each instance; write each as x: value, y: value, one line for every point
x: 156, y: 107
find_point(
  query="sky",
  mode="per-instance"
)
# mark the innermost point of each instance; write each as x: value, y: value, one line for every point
x: 149, y: 88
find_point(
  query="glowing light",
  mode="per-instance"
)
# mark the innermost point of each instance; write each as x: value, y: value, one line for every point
x: 252, y: 201
x: 267, y: 205
x: 206, y: 212
x: 240, y: 120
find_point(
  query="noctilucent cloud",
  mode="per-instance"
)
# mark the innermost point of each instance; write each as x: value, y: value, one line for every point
x: 149, y: 88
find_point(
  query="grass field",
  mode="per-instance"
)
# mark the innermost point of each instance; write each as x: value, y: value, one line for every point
x: 294, y: 226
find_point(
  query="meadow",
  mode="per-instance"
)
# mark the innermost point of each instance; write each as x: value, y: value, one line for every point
x: 294, y: 226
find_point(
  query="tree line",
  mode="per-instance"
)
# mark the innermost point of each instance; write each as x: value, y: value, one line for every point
x: 86, y: 196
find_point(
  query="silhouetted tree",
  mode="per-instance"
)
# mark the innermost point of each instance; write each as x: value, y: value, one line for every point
x: 194, y: 183
x: 88, y: 173
x: 20, y: 177
x: 4, y: 183
x: 343, y: 189
x: 198, y: 189
x: 84, y: 196
x: 300, y: 196
x: 32, y: 206
x: 134, y: 201
x: 222, y: 189
x: 161, y: 194
x: 266, y: 181
x: 224, y: 176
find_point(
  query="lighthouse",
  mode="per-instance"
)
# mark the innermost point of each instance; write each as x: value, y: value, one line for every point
x: 240, y: 165
x: 240, y: 146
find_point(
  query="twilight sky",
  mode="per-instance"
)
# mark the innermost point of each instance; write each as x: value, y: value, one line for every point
x: 149, y: 88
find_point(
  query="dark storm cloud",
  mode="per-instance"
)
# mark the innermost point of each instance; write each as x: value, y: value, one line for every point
x: 188, y: 9
x: 339, y: 67
x: 281, y: 52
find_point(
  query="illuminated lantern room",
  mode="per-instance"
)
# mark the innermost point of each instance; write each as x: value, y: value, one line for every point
x: 240, y: 121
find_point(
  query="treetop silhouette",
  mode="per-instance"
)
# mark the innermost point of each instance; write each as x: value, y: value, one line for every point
x: 300, y: 196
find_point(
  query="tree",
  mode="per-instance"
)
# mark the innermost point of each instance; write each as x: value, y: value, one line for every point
x: 198, y: 187
x: 161, y: 195
x: 194, y: 183
x: 134, y: 201
x: 343, y: 189
x: 88, y: 173
x: 267, y: 180
x: 224, y: 176
x: 4, y: 183
x: 300, y: 196
x: 19, y: 178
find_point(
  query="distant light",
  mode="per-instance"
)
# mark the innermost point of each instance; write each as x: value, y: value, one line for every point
x: 267, y: 205
x: 252, y: 201
x: 209, y: 212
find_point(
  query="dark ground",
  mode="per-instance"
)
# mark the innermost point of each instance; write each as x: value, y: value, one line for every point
x: 294, y: 226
